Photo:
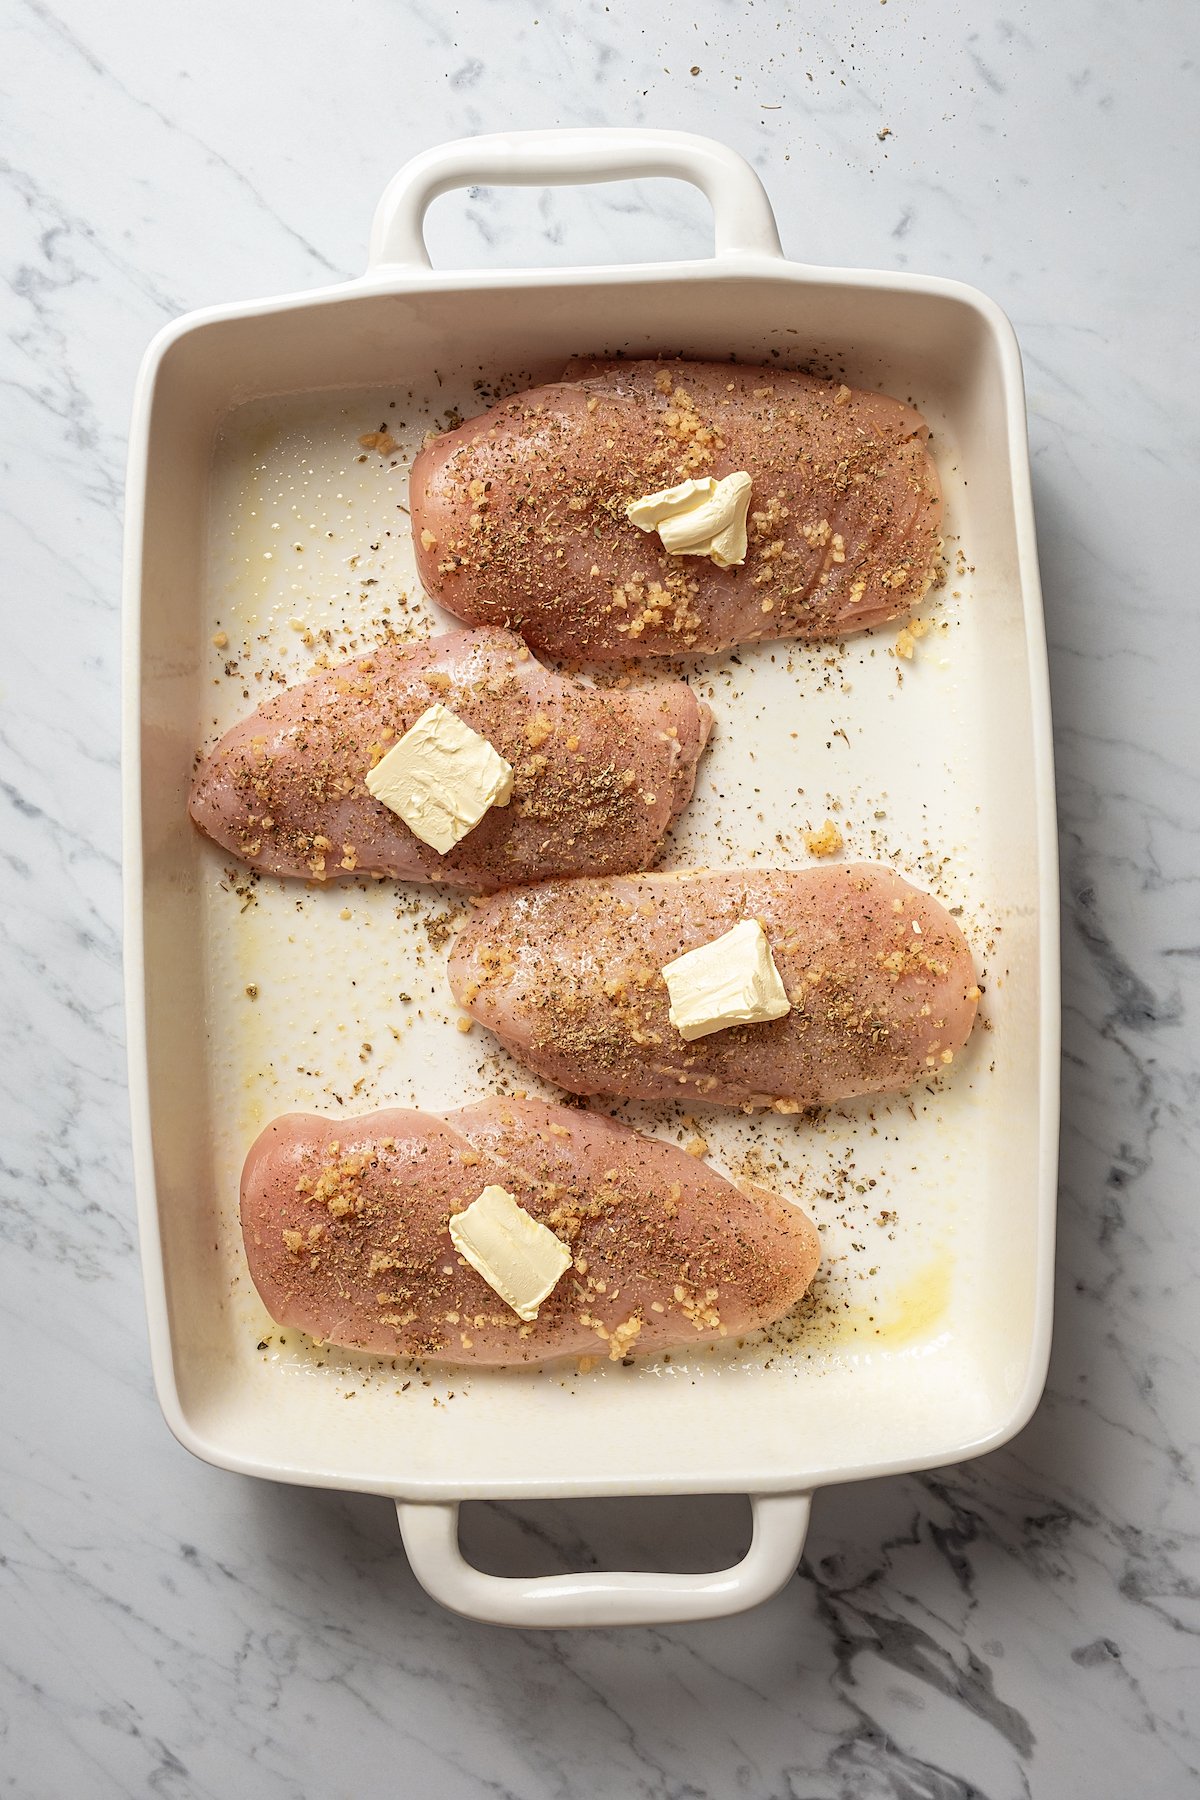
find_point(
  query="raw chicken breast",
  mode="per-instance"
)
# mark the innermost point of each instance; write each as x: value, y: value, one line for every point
x: 568, y: 975
x: 519, y: 515
x: 599, y: 775
x: 346, y: 1230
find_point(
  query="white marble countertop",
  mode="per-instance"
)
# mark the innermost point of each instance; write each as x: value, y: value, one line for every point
x: 1023, y: 1625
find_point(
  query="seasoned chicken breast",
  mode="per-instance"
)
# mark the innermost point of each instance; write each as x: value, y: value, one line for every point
x: 346, y: 1227
x: 569, y: 976
x: 519, y: 515
x: 599, y: 775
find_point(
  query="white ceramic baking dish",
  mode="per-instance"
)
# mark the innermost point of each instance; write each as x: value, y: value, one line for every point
x: 930, y: 1337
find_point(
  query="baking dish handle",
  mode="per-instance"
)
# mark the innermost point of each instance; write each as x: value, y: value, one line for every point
x: 552, y: 1602
x: 744, y: 222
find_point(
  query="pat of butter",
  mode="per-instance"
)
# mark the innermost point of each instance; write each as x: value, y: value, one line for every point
x: 699, y: 518
x: 441, y: 777
x: 732, y: 981
x: 516, y: 1254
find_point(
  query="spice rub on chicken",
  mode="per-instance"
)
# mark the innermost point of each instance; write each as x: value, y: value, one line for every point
x: 598, y: 775
x: 519, y: 515
x: 879, y: 977
x: 347, y: 1230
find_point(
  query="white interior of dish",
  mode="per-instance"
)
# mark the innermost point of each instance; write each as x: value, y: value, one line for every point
x: 919, y: 1343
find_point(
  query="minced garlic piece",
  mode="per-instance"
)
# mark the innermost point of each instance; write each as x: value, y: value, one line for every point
x: 825, y: 842
x: 906, y: 637
x: 699, y: 518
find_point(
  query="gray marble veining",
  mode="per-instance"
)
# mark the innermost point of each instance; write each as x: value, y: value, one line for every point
x: 1026, y: 1625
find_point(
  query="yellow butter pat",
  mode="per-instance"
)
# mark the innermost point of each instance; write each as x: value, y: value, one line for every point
x: 699, y: 518
x: 516, y: 1254
x: 732, y: 981
x: 440, y: 778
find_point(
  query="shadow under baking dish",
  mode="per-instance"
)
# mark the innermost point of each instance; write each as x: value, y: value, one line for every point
x: 272, y: 537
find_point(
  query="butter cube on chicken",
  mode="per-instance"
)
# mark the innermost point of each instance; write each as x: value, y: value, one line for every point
x: 346, y: 1224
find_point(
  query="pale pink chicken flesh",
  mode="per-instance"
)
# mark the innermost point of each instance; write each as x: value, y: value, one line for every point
x: 346, y: 1228
x: 599, y: 775
x: 569, y: 977
x: 519, y: 515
